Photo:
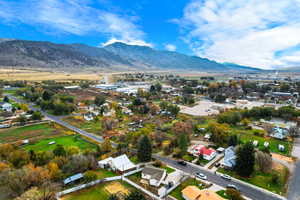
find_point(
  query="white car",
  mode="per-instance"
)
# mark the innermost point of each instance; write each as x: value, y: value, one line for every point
x: 225, y: 176
x: 201, y: 176
x: 231, y: 186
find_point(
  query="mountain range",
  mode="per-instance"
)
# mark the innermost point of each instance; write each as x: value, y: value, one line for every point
x: 114, y: 57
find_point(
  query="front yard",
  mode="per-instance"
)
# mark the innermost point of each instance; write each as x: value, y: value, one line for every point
x: 177, y: 192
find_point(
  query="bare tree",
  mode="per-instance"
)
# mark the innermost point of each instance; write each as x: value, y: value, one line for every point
x: 264, y: 161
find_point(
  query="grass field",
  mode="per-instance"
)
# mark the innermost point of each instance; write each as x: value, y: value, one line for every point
x: 89, y: 126
x: 97, y: 192
x: 30, y: 131
x: 168, y: 169
x: 264, y: 180
x: 101, y: 173
x: 66, y: 141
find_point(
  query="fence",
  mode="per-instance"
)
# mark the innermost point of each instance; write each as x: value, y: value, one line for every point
x: 80, y: 187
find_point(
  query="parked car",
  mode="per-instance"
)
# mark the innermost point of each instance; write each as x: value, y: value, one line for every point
x: 201, y: 176
x: 181, y: 162
x: 225, y: 176
x: 231, y: 186
x: 217, y: 165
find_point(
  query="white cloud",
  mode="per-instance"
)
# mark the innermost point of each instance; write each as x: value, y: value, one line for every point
x: 247, y: 32
x: 129, y: 42
x: 72, y: 17
x: 170, y: 47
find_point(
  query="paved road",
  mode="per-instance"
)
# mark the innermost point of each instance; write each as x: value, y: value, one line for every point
x: 294, y: 182
x: 250, y: 192
x: 58, y: 120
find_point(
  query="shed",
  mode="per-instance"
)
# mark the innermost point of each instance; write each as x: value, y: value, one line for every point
x: 73, y: 178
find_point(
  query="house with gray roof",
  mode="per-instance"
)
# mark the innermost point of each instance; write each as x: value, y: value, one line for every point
x: 154, y: 175
x: 279, y: 133
x: 229, y: 160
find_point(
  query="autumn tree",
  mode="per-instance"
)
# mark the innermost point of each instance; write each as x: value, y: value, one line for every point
x: 219, y: 132
x: 234, y: 194
x: 144, y: 149
x: 106, y: 146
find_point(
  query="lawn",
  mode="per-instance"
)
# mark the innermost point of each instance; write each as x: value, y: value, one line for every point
x: 32, y: 131
x: 223, y: 194
x: 94, y: 193
x: 66, y: 141
x: 264, y: 180
x: 168, y: 169
x: 177, y: 192
x: 89, y: 126
x: 101, y: 173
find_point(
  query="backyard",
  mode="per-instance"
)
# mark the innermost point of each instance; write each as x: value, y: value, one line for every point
x: 66, y: 141
x: 35, y: 131
x: 100, y: 191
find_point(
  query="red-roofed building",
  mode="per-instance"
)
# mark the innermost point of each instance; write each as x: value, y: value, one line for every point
x: 207, y: 153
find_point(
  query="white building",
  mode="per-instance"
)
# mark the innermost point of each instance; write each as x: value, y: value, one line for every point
x: 120, y: 163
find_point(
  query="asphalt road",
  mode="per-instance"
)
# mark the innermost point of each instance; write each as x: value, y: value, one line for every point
x: 294, y: 182
x: 250, y: 192
x: 59, y: 121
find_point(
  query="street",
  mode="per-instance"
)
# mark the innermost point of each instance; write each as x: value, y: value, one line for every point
x: 250, y: 192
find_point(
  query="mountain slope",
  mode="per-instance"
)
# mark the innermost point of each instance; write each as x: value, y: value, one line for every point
x: 114, y: 57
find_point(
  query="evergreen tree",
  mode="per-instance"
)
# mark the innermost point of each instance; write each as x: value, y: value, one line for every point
x: 6, y: 99
x: 233, y: 140
x: 183, y: 143
x: 59, y: 151
x: 245, y: 160
x: 135, y: 195
x: 144, y: 149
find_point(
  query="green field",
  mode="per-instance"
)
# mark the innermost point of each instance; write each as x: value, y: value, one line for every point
x: 264, y: 180
x: 27, y: 132
x: 168, y: 169
x: 94, y: 193
x: 89, y: 126
x: 66, y: 141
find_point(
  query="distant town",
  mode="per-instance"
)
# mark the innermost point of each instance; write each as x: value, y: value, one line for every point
x: 154, y: 135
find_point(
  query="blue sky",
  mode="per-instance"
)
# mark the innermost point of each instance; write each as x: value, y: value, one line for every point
x: 259, y: 33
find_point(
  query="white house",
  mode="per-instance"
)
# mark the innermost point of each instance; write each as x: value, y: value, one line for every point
x: 6, y: 106
x: 154, y: 175
x: 120, y: 163
x: 279, y: 133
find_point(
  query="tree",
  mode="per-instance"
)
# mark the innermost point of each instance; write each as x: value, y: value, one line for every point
x: 106, y: 146
x: 233, y: 140
x: 264, y: 161
x: 54, y: 171
x: 294, y: 131
x: 24, y: 107
x: 46, y: 95
x: 234, y: 194
x: 183, y: 144
x: 113, y: 197
x: 18, y: 158
x: 219, y: 133
x: 99, y: 100
x: 144, y: 149
x: 90, y: 176
x: 59, y: 150
x: 22, y: 119
x: 135, y: 195
x: 245, y: 160
x: 37, y: 115
x: 6, y: 99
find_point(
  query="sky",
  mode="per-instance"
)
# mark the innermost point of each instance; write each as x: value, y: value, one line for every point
x: 257, y: 33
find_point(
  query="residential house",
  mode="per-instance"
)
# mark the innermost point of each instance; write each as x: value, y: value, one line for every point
x: 120, y: 163
x: 194, y: 193
x: 207, y: 153
x: 154, y: 175
x: 279, y: 133
x: 6, y: 106
x: 229, y: 160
